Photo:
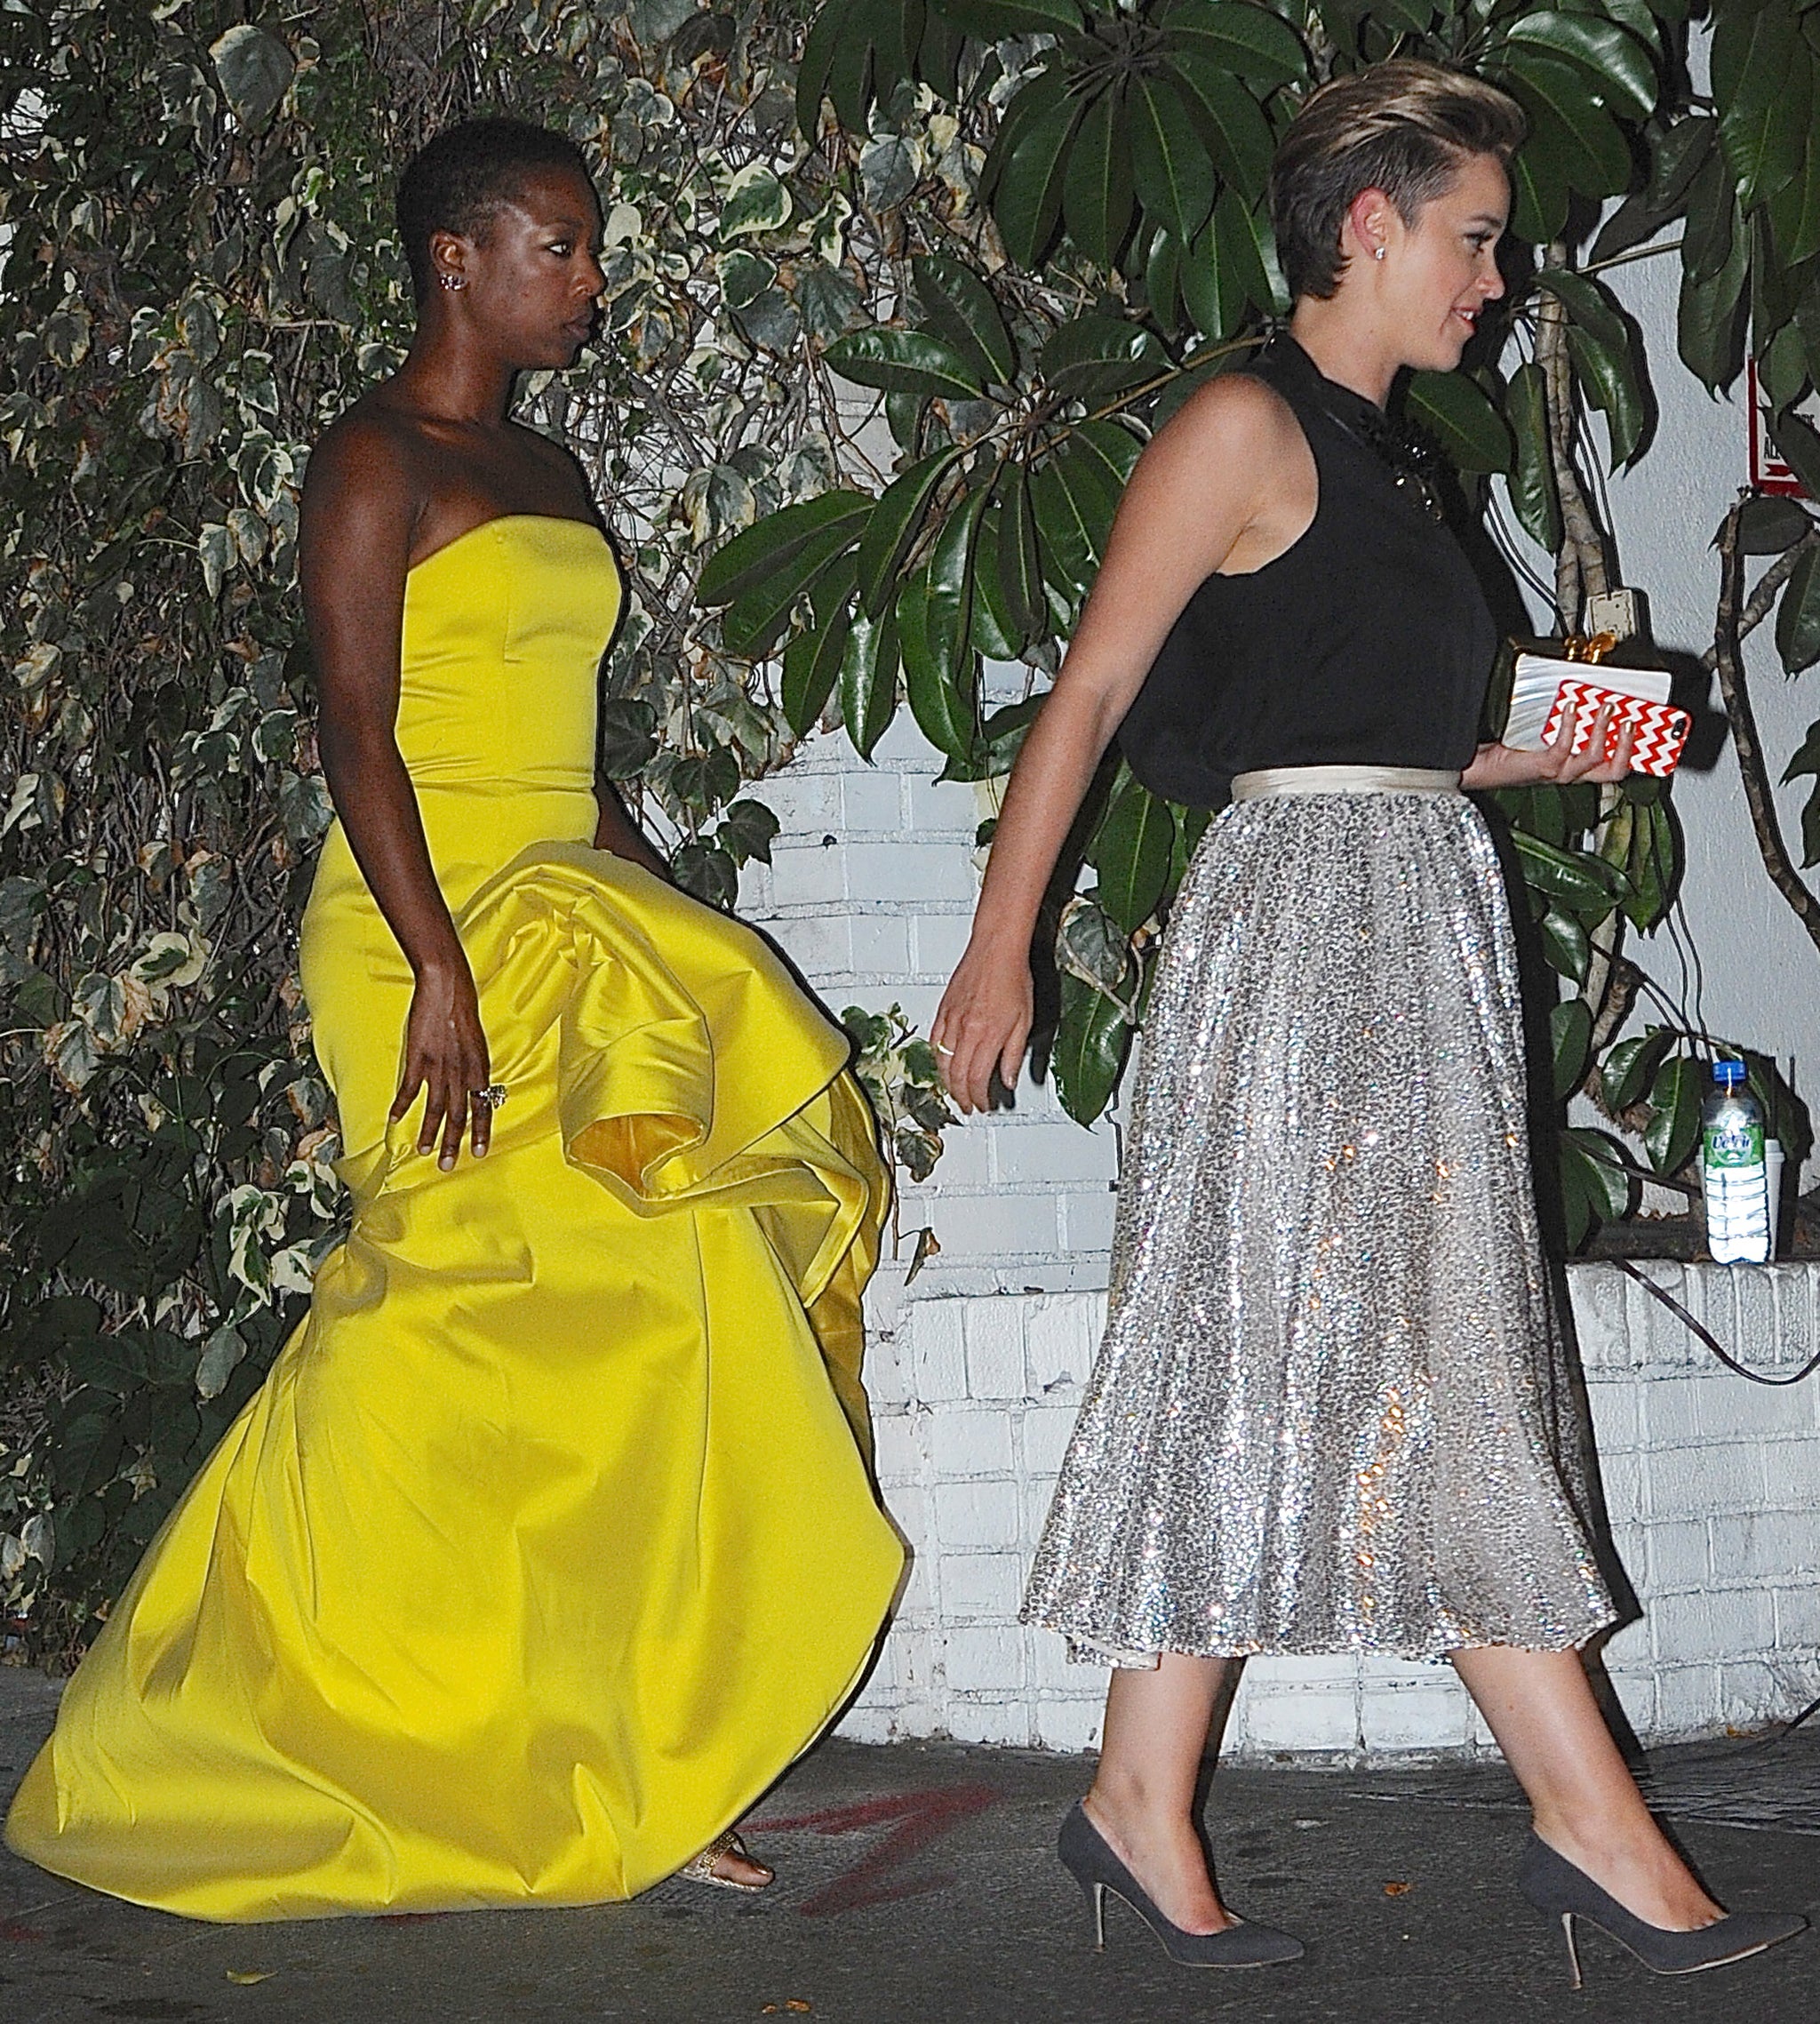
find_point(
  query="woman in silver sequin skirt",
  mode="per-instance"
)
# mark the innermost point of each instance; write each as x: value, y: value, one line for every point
x: 1332, y: 1412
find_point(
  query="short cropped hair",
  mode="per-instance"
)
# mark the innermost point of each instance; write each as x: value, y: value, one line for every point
x: 458, y: 180
x: 1403, y: 127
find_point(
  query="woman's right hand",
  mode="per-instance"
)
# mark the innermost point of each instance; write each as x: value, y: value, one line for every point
x: 983, y: 1023
x: 445, y: 1056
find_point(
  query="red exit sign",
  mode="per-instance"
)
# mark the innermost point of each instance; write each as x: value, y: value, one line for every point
x: 1769, y: 473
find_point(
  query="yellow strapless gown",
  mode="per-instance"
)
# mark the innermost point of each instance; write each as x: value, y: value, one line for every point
x: 547, y: 1543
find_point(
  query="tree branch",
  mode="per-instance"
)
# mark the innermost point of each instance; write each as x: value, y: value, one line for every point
x: 1763, y: 598
x: 1729, y: 661
x: 1581, y: 569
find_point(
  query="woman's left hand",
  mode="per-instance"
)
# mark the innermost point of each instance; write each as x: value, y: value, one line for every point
x: 1554, y: 765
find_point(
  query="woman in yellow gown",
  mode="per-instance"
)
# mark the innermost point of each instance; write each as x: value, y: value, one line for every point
x: 549, y: 1541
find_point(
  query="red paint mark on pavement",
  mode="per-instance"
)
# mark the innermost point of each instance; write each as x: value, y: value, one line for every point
x: 921, y: 1817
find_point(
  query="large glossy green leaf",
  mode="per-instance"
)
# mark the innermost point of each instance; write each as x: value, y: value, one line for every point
x: 856, y: 51
x: 960, y: 309
x: 1572, y: 879
x: 992, y: 629
x: 896, y: 521
x: 1798, y: 616
x: 938, y: 56
x: 1652, y: 866
x: 1092, y: 483
x: 992, y: 19
x: 1712, y: 220
x: 1568, y: 121
x: 1162, y: 279
x: 1226, y: 112
x: 1213, y: 290
x: 1782, y: 370
x: 1609, y: 379
x: 1807, y: 761
x: 1588, y: 302
x: 1762, y: 111
x: 1798, y: 443
x: 1095, y: 355
x: 951, y: 572
x: 1566, y: 944
x: 1092, y: 1038
x: 1096, y: 188
x: 812, y: 663
x: 1131, y: 852
x: 1027, y: 196
x: 943, y: 709
x: 1532, y: 492
x: 1611, y: 54
x: 905, y: 362
x: 1710, y: 321
x: 1571, y: 1043
x: 1245, y: 40
x: 1674, y: 1114
x: 1458, y: 414
x: 1769, y: 525
x: 1795, y: 209
x: 868, y: 682
x: 1020, y: 563
x: 1595, y: 1185
x: 812, y: 73
x: 1539, y: 190
x: 1114, y: 450
x: 1677, y: 153
x: 774, y: 543
x: 756, y: 618
x: 1627, y: 1068
x: 1065, y: 544
x: 1246, y: 252
x: 1173, y: 171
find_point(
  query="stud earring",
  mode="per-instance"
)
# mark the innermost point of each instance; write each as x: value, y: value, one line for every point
x: 1377, y: 252
x: 455, y: 280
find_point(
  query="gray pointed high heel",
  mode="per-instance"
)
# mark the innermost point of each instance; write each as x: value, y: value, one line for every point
x: 1552, y: 1884
x: 1091, y: 1863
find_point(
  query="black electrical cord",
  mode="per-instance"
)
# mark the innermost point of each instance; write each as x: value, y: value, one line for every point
x: 1712, y: 1342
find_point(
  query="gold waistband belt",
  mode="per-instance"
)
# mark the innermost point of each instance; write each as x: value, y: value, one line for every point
x: 1342, y: 779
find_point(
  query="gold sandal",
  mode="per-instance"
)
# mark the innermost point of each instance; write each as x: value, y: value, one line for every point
x: 700, y: 1868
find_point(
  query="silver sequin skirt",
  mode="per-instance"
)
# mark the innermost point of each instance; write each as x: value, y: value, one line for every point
x: 1332, y: 1412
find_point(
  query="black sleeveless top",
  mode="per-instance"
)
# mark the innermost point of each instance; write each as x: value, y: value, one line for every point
x: 1366, y: 642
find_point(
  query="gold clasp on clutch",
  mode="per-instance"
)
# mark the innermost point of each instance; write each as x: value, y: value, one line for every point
x: 1587, y: 646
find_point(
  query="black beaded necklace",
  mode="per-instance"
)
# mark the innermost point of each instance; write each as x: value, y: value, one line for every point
x: 1414, y: 467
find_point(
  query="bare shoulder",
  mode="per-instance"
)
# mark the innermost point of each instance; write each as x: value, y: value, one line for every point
x: 1234, y: 415
x: 364, y: 491
x: 368, y: 447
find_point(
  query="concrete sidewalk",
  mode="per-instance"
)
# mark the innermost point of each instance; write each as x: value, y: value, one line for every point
x: 918, y: 1886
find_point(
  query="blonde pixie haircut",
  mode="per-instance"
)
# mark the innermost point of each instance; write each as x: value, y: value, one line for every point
x: 1403, y: 127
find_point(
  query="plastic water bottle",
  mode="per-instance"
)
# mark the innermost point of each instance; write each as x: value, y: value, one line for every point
x: 1733, y: 1170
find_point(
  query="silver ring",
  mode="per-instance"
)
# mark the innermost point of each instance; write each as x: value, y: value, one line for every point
x: 493, y: 1095
x: 940, y: 1049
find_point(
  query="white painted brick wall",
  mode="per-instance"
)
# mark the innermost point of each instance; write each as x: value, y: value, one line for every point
x: 1712, y: 1485
x: 871, y: 892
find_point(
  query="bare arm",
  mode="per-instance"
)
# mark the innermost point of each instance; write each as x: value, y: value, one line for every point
x: 1201, y: 493
x: 617, y: 832
x: 359, y: 510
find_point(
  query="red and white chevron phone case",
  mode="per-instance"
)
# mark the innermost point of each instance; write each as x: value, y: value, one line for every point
x: 1660, y: 729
